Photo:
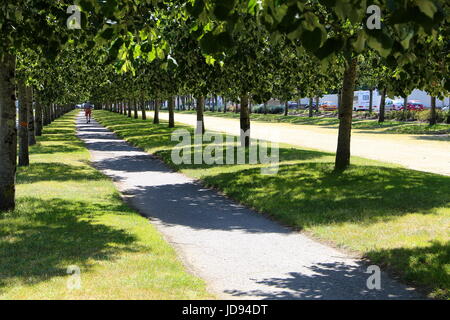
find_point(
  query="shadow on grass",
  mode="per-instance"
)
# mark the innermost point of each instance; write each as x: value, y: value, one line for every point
x: 427, y: 265
x: 311, y: 193
x: 53, y: 171
x: 53, y: 234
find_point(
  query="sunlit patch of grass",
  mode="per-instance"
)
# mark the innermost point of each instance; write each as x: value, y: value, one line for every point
x: 70, y: 214
x: 394, y: 216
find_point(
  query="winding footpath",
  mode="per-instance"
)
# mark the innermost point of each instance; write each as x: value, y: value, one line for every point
x: 238, y: 252
x: 429, y: 153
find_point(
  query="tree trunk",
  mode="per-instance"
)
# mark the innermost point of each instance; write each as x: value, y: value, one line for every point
x: 370, y: 100
x: 339, y: 99
x: 135, y: 109
x: 171, y: 108
x: 405, y: 108
x: 245, y: 121
x: 39, y: 116
x: 8, y: 132
x: 51, y: 113
x: 311, y: 107
x: 129, y: 108
x: 345, y: 117
x: 224, y: 105
x: 433, y: 119
x: 24, y: 159
x: 156, y: 115
x: 382, y: 106
x: 31, y: 133
x: 265, y: 107
x: 286, y: 107
x: 144, y: 113
x: 317, y: 104
x: 200, y: 129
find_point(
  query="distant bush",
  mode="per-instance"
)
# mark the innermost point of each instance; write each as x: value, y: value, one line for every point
x: 423, y: 116
x: 409, y: 115
x: 446, y: 116
x: 270, y: 109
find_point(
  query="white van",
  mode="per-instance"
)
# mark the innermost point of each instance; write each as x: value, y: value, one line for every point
x: 389, y: 105
x: 361, y: 101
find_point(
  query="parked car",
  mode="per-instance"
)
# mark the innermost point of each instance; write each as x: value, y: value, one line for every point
x: 363, y: 108
x: 413, y: 106
x: 328, y: 106
x: 292, y: 105
x: 388, y: 106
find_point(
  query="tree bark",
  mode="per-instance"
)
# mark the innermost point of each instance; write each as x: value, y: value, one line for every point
x: 245, y: 120
x: 39, y: 116
x: 156, y: 115
x: 370, y: 100
x: 50, y: 113
x: 31, y: 127
x: 8, y: 132
x: 144, y: 113
x: 433, y: 118
x: 135, y: 109
x: 24, y: 158
x: 339, y: 99
x: 171, y: 107
x: 345, y: 117
x: 311, y: 107
x: 129, y: 108
x: 405, y: 108
x: 286, y: 107
x: 265, y: 107
x: 224, y: 105
x: 382, y: 106
x: 200, y: 129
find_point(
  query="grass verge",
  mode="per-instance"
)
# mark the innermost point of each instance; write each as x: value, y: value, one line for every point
x: 398, y: 218
x: 70, y: 214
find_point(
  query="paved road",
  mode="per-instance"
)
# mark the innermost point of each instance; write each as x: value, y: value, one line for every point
x: 419, y: 152
x: 239, y: 253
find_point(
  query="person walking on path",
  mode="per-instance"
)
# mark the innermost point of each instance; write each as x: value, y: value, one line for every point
x: 88, y: 111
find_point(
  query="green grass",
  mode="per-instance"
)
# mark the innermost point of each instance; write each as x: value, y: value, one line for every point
x: 396, y: 217
x: 70, y: 214
x: 371, y: 126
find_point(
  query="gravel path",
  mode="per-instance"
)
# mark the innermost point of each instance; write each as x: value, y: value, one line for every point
x: 239, y: 253
x: 419, y: 152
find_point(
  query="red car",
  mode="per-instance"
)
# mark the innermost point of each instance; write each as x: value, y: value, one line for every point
x: 413, y: 106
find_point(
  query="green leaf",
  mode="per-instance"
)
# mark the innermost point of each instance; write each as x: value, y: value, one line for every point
x: 360, y: 42
x: 107, y: 34
x: 311, y: 40
x: 195, y: 9
x: 427, y: 7
x: 330, y: 47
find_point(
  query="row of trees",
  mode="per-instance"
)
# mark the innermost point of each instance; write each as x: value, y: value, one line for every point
x: 130, y: 52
